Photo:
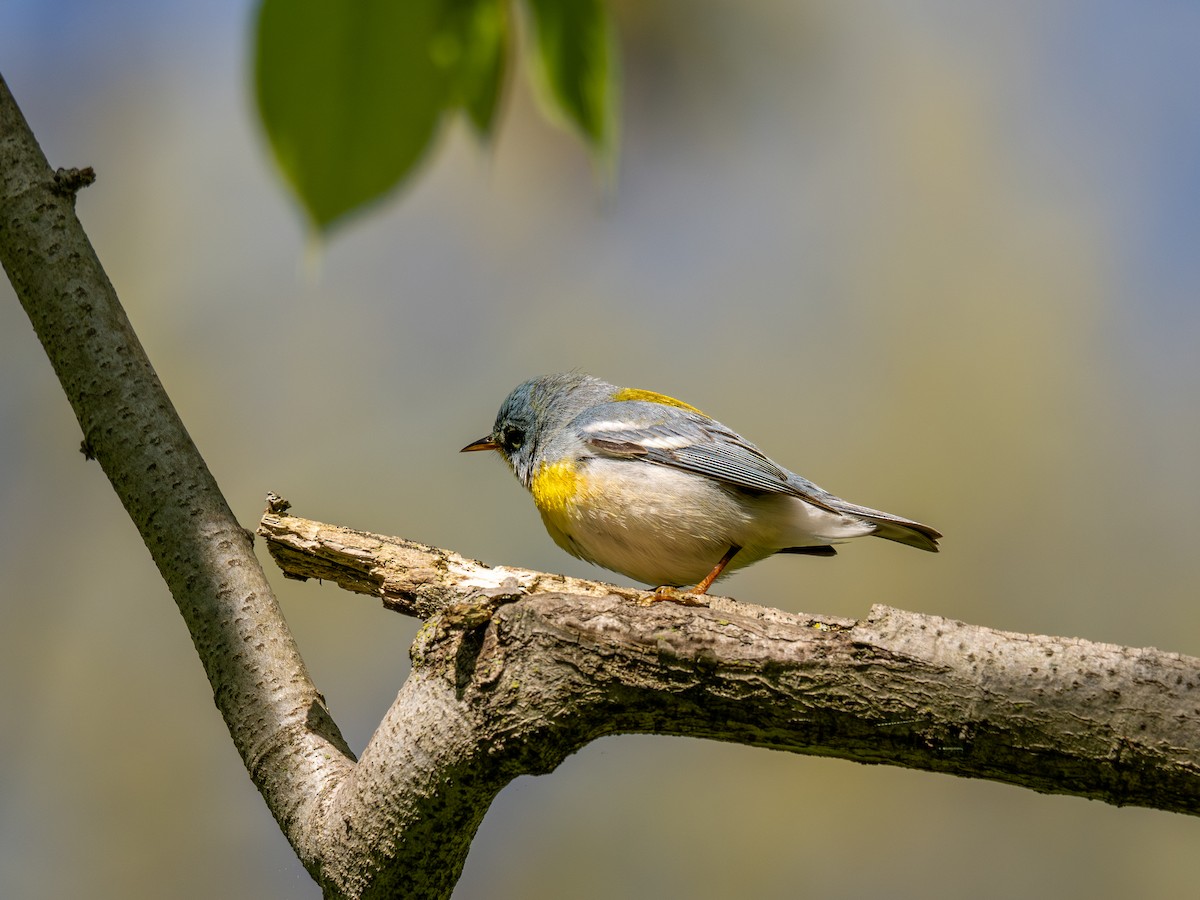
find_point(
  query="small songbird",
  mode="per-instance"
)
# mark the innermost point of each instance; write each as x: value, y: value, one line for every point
x: 651, y: 487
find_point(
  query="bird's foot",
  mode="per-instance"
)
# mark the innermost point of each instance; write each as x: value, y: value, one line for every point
x: 665, y: 593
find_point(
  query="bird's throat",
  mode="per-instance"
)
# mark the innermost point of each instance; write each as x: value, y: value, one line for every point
x: 555, y: 486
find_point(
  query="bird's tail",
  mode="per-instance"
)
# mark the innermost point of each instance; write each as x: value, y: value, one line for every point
x: 894, y: 528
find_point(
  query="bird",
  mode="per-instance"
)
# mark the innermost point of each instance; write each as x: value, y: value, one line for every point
x: 649, y: 486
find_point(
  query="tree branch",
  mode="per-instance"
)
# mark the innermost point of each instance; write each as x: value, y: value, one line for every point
x: 277, y: 719
x: 545, y: 664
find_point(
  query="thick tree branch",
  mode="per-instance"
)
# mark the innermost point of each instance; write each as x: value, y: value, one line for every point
x: 562, y: 661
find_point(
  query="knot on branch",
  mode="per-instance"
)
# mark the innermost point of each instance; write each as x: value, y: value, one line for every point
x: 69, y: 182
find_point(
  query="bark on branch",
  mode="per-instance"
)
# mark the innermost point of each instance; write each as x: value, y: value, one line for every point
x: 545, y: 664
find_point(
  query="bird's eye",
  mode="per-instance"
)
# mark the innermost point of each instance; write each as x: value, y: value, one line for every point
x: 512, y: 437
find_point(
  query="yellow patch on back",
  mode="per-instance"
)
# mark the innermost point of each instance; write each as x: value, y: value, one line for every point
x: 652, y: 397
x: 554, y: 487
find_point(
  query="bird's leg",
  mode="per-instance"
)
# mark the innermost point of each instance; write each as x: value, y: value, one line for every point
x: 692, y: 597
x: 671, y: 594
x: 703, y: 586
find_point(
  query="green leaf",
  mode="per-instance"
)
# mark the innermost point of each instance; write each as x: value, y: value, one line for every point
x: 576, y: 62
x: 351, y: 93
x: 485, y: 60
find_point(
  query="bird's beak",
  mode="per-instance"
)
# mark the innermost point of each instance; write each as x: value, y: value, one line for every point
x: 484, y: 443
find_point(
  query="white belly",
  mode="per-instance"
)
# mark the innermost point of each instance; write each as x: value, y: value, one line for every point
x: 660, y: 525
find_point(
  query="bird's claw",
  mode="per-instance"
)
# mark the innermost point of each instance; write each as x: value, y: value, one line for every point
x: 666, y: 594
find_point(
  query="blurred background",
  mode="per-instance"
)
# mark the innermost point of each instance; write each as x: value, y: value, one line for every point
x: 939, y: 257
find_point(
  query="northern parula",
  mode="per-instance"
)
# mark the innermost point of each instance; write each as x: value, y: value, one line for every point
x: 651, y: 487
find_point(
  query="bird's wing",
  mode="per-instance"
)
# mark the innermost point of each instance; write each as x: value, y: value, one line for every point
x: 694, y: 443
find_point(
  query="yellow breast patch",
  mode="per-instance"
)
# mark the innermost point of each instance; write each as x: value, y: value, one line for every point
x: 652, y: 397
x: 555, y: 486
